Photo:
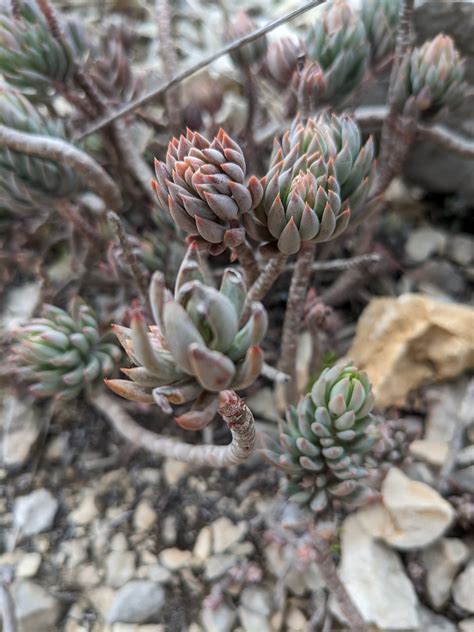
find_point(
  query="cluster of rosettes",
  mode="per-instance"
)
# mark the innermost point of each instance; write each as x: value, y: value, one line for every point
x: 380, y: 18
x: 433, y: 78
x: 201, y: 344
x: 319, y: 174
x: 27, y: 182
x: 202, y: 185
x: 338, y: 43
x: 325, y: 438
x: 60, y: 353
x: 31, y: 57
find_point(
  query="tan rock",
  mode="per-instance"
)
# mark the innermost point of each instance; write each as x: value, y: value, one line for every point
x: 412, y: 514
x: 412, y: 340
x: 433, y: 452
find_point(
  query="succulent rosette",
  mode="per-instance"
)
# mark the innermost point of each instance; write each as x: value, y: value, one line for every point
x: 338, y: 43
x: 200, y: 344
x: 282, y: 59
x: 319, y: 174
x: 380, y: 18
x: 252, y: 52
x: 203, y: 186
x: 434, y: 77
x: 325, y: 439
x: 61, y: 353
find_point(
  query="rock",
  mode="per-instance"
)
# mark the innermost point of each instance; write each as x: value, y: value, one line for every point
x: 466, y: 456
x: 226, y: 534
x: 463, y: 589
x: 35, y: 512
x: 424, y: 242
x: 263, y: 405
x: 464, y: 478
x: 432, y: 622
x: 218, y: 565
x: 139, y: 601
x: 412, y: 340
x: 433, y: 452
x: 36, y: 610
x: 466, y: 625
x: 296, y: 621
x: 411, y: 515
x: 435, y: 276
x: 20, y: 304
x: 255, y: 609
x: 21, y: 428
x: 442, y: 562
x: 28, y: 565
x: 174, y: 559
x: 220, y: 619
x: 174, y: 471
x: 203, y: 545
x: 119, y: 568
x: 119, y: 542
x: 169, y: 531
x: 86, y: 511
x: 460, y: 249
x: 375, y: 579
x: 144, y: 517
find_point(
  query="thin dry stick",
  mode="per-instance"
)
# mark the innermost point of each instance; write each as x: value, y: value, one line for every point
x: 339, y: 265
x: 334, y: 584
x: 63, y: 152
x: 184, y: 74
x: 448, y: 138
x: 274, y: 374
x: 122, y: 239
x: 7, y: 607
x: 294, y: 316
x: 170, y: 62
x: 267, y: 278
x: 233, y: 410
x: 248, y: 262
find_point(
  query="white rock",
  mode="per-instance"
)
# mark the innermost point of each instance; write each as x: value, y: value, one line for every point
x: 412, y: 515
x: 35, y: 512
x: 218, y: 565
x: 28, y: 565
x: 36, y: 610
x: 220, y: 619
x: 253, y: 621
x: 173, y: 559
x: 21, y: 429
x: 137, y: 602
x: 174, y: 471
x: 226, y: 534
x: 20, y: 303
x: 432, y: 622
x: 466, y: 625
x: 424, y: 242
x: 466, y: 456
x: 375, y: 579
x: 119, y: 542
x: 442, y: 562
x: 463, y: 588
x: 144, y: 517
x: 86, y: 511
x: 257, y: 599
x: 203, y: 545
x: 119, y: 568
x: 296, y: 621
x: 169, y: 530
x: 433, y: 452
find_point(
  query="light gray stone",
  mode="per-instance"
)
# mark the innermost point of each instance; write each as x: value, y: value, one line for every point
x: 432, y: 622
x: 463, y: 589
x: 139, y: 601
x: 36, y: 610
x: 119, y: 568
x: 35, y: 512
x: 442, y: 562
x: 466, y: 625
x: 226, y: 534
x: 21, y: 427
x: 220, y: 619
x: 424, y: 242
x: 257, y: 599
x: 218, y: 565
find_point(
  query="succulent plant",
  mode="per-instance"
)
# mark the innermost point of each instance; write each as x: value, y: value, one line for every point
x: 198, y: 346
x: 27, y: 182
x: 433, y: 78
x: 60, y: 353
x: 253, y: 51
x: 325, y: 438
x: 282, y: 59
x: 319, y: 174
x: 32, y: 59
x: 202, y: 185
x: 380, y: 18
x: 309, y: 85
x: 338, y: 42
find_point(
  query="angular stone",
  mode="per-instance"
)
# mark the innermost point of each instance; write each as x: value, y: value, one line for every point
x: 220, y: 619
x: 36, y: 610
x: 86, y: 511
x: 442, y: 562
x: 203, y: 545
x: 463, y: 589
x: 139, y: 601
x: 119, y: 568
x: 424, y: 242
x: 432, y: 622
x: 144, y: 517
x: 466, y: 625
x: 35, y: 512
x: 21, y: 428
x: 174, y: 559
x: 433, y: 452
x: 226, y: 534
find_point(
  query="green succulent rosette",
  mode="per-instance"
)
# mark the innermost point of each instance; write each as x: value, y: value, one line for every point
x: 380, y: 19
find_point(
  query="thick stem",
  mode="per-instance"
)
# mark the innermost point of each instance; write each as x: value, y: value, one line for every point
x: 248, y: 262
x: 233, y: 410
x: 63, y: 152
x: 266, y: 278
x: 334, y: 584
x: 294, y: 316
x: 170, y: 62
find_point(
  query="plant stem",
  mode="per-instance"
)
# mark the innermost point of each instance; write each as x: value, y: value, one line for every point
x: 61, y: 151
x: 7, y: 607
x: 294, y: 316
x: 334, y: 584
x: 266, y: 278
x: 248, y: 262
x: 170, y: 61
x: 233, y: 410
x: 184, y: 74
